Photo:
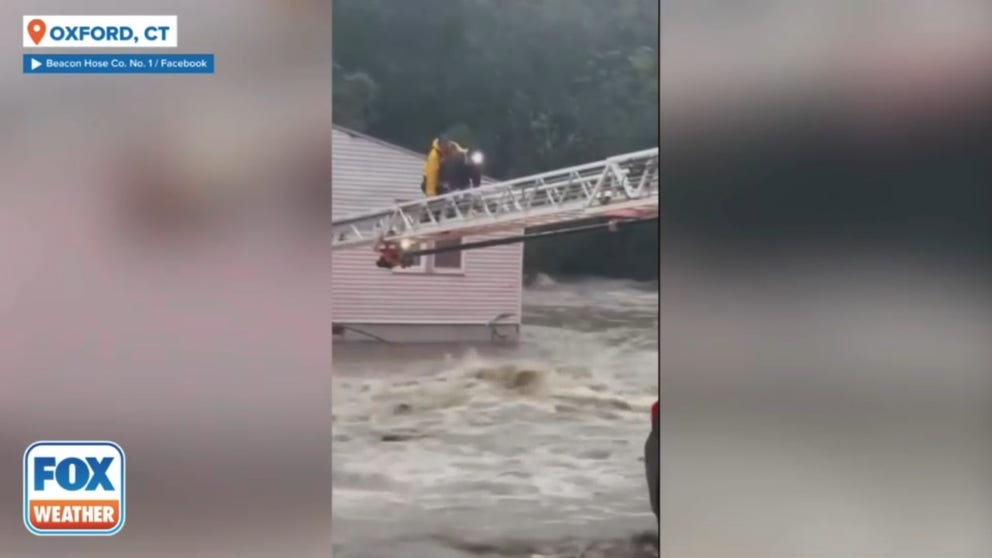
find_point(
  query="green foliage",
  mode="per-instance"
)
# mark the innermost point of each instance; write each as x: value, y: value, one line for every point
x: 536, y: 84
x: 354, y: 98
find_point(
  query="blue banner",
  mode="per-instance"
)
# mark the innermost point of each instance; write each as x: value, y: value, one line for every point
x: 118, y: 63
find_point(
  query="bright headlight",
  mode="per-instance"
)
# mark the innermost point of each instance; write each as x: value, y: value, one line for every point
x: 476, y: 157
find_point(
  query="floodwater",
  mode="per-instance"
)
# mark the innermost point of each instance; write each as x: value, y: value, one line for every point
x: 532, y: 450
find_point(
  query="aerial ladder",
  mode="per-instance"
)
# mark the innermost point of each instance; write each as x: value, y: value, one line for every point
x: 611, y: 193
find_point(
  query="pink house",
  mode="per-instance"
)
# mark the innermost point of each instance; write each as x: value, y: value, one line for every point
x: 451, y: 297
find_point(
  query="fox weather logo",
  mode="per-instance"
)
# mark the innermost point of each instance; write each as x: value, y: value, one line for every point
x: 74, y: 488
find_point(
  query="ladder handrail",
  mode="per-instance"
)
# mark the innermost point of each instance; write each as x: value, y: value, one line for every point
x: 629, y: 181
x: 498, y: 186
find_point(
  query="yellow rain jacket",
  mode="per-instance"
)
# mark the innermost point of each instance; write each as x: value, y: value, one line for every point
x: 432, y: 168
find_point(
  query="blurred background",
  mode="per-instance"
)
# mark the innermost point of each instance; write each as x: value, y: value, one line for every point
x: 164, y: 283
x: 825, y: 301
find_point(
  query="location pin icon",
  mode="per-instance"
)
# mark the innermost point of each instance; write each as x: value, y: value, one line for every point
x: 36, y: 29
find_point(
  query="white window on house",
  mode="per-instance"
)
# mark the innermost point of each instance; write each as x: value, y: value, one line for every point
x: 451, y: 261
x: 419, y: 266
x: 442, y: 262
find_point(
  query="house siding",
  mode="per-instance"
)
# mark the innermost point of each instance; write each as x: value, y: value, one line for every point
x: 369, y: 174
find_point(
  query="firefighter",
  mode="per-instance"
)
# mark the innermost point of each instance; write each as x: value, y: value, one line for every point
x: 442, y: 149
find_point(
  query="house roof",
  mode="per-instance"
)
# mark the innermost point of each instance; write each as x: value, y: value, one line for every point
x: 384, y: 143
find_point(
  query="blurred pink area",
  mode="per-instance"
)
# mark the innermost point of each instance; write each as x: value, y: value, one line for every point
x: 723, y: 67
x: 163, y: 286
x: 87, y: 278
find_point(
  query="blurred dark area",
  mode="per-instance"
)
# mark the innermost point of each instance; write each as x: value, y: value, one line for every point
x: 826, y: 303
x: 819, y: 179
